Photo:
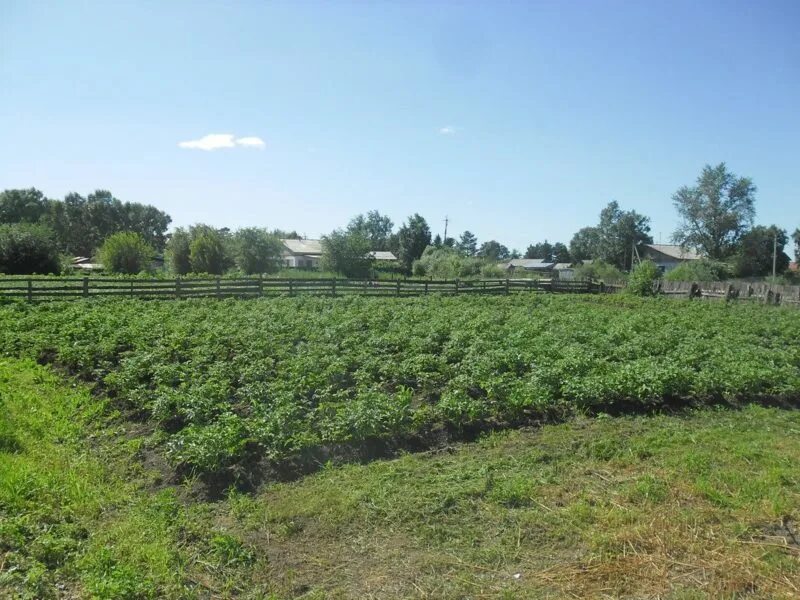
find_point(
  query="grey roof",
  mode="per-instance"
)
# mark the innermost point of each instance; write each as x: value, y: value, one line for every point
x: 562, y: 266
x: 305, y: 247
x: 674, y: 251
x: 529, y: 263
x: 382, y: 255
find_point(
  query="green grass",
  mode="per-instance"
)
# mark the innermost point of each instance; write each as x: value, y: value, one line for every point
x: 698, y: 505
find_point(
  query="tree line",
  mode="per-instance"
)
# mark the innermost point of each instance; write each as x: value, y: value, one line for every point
x: 716, y: 219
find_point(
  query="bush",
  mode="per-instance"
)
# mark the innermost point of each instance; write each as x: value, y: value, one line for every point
x: 601, y: 270
x: 450, y: 263
x: 700, y: 270
x: 207, y: 253
x: 28, y: 249
x: 642, y: 278
x: 178, y: 252
x: 126, y: 253
x: 346, y: 253
x: 257, y: 251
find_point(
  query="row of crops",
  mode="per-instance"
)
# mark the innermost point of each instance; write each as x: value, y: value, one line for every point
x: 224, y: 383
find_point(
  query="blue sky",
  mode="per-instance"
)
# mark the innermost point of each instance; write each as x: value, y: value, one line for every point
x: 518, y: 120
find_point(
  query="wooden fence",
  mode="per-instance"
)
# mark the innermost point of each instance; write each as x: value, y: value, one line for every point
x: 64, y: 288
x: 766, y: 293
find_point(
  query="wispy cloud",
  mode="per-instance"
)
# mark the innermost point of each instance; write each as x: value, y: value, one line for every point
x: 447, y: 130
x: 216, y: 141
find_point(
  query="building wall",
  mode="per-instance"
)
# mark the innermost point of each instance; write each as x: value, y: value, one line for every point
x: 299, y: 261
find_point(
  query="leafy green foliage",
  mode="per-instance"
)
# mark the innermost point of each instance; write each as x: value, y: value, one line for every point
x: 642, y: 279
x: 613, y: 238
x: 755, y: 253
x: 700, y: 270
x: 449, y: 263
x: 22, y: 206
x: 346, y: 253
x: 27, y: 249
x: 599, y: 270
x: 257, y: 251
x: 412, y: 238
x: 227, y: 382
x: 716, y: 212
x: 126, y: 253
x: 375, y: 227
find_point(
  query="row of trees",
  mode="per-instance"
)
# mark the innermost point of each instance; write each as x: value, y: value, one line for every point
x: 79, y: 224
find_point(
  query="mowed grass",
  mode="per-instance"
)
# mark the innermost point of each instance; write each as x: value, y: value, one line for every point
x: 703, y: 504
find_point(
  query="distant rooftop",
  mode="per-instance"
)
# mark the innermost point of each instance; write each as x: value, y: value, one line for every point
x: 529, y: 263
x: 382, y: 255
x: 674, y: 251
x: 303, y: 246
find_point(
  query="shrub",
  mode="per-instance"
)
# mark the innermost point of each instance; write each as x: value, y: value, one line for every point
x: 27, y: 249
x: 642, y: 278
x: 599, y: 269
x: 207, y: 252
x: 257, y: 251
x: 346, y: 253
x: 700, y: 270
x: 449, y: 263
x: 178, y: 252
x: 126, y: 252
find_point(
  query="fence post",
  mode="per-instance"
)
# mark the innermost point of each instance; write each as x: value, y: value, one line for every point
x: 426, y: 288
x: 30, y: 290
x: 131, y: 288
x: 508, y: 289
x: 456, y: 287
x: 333, y: 286
x: 85, y: 287
x: 260, y: 284
x: 219, y: 292
x: 398, y: 287
x: 177, y: 288
x: 291, y: 290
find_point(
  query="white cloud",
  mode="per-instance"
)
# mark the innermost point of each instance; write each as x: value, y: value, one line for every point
x: 250, y: 142
x: 447, y: 130
x: 215, y: 141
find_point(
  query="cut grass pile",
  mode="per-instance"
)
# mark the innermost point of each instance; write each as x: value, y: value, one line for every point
x: 227, y: 386
x: 703, y: 504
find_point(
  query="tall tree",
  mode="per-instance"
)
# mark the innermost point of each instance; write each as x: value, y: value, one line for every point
x: 613, y: 238
x: 584, y: 243
x: 414, y: 236
x: 539, y: 250
x: 346, y: 252
x: 561, y: 253
x: 26, y: 249
x: 796, y: 238
x: 754, y: 257
x: 493, y: 250
x: 716, y: 212
x: 207, y: 252
x: 373, y: 226
x: 22, y: 206
x: 468, y: 243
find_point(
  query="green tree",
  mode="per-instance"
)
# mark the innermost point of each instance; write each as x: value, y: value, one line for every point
x: 208, y: 252
x: 413, y: 237
x: 796, y: 238
x: 23, y: 206
x: 754, y: 257
x: 126, y: 252
x: 468, y: 243
x: 437, y: 241
x: 346, y: 253
x: 613, y: 238
x: 27, y: 249
x: 642, y: 278
x: 584, y: 244
x: 257, y: 250
x: 178, y: 251
x: 541, y: 250
x: 716, y: 212
x: 493, y: 250
x: 373, y: 226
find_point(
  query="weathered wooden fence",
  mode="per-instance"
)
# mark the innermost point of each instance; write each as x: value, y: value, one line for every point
x: 64, y: 288
x: 765, y: 293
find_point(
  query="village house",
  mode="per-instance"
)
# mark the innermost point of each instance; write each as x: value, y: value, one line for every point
x: 668, y: 256
x: 306, y: 254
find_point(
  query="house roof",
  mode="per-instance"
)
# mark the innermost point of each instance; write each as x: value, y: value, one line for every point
x: 562, y: 266
x: 674, y: 251
x: 382, y: 255
x: 306, y: 247
x: 529, y: 263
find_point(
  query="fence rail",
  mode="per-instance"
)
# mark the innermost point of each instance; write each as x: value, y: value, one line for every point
x: 65, y: 288
x: 766, y: 293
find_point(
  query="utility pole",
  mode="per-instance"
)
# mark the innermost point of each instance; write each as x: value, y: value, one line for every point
x: 774, y: 253
x: 446, y: 221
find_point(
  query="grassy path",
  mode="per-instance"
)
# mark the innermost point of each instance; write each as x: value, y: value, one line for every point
x: 702, y: 505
